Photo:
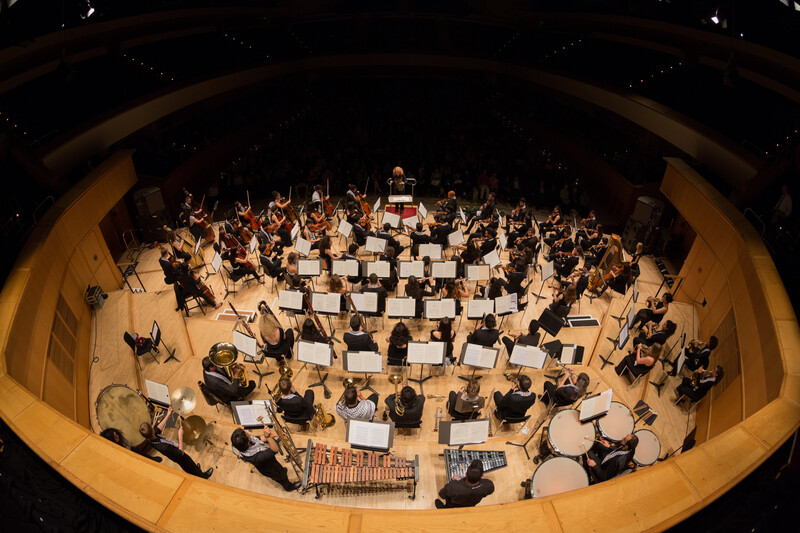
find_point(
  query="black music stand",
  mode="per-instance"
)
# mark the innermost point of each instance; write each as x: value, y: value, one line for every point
x: 550, y: 322
x: 155, y: 335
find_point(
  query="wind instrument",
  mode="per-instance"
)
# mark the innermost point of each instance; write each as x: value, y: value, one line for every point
x: 439, y: 416
x: 399, y: 408
x: 283, y: 367
x: 436, y: 397
x: 489, y: 410
x: 223, y: 355
x: 324, y: 419
x: 351, y: 382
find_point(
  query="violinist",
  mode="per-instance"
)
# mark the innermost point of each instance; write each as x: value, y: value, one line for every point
x: 518, y: 215
x: 418, y: 289
x: 589, y: 223
x: 490, y: 243
x: 482, y: 230
x: 272, y: 266
x: 699, y: 384
x: 553, y: 220
x: 439, y: 234
x: 563, y: 300
x: 593, y: 237
x: 484, y: 213
x: 418, y: 236
x: 391, y: 241
x: 449, y: 204
x: 168, y: 264
x: 470, y: 255
x: 565, y: 262
x: 594, y: 254
x: 558, y: 234
x: 563, y: 246
x: 521, y: 233
x: 310, y: 235
x: 193, y: 288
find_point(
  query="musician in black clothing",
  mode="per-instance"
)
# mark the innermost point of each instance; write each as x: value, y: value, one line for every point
x: 527, y: 338
x: 562, y: 246
x: 190, y: 288
x: 568, y: 390
x: 292, y: 404
x: 656, y: 334
x: 490, y: 243
x: 486, y: 333
x: 271, y: 266
x: 358, y: 340
x: 223, y: 387
x: 376, y: 287
x: 439, y: 234
x: 261, y: 452
x: 418, y: 237
x: 390, y: 241
x: 517, y: 400
x: 467, y: 491
x: 484, y: 213
x: 699, y: 384
x: 518, y: 216
x: 482, y: 230
x: 607, y: 461
x: 360, y: 234
x: 493, y: 289
x: 698, y: 353
x: 172, y: 450
x: 566, y: 263
x: 589, y: 223
x: 553, y: 220
x: 595, y: 253
x: 593, y: 237
x: 352, y: 250
x: 412, y: 405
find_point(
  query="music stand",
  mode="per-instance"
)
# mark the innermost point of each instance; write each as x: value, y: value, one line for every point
x: 633, y: 298
x: 550, y: 322
x: 291, y: 301
x: 548, y: 269
x: 363, y: 362
x: 477, y: 356
x: 527, y: 357
x: 369, y: 435
x: 328, y: 304
x: 618, y: 342
x: 248, y: 346
x: 318, y: 354
x: 425, y: 353
x: 155, y: 336
x: 463, y: 432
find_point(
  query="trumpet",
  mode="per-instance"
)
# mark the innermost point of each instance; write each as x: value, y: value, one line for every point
x: 436, y: 397
x: 439, y: 416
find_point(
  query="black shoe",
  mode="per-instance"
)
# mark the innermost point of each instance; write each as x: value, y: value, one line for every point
x: 294, y: 486
x: 438, y: 503
x: 155, y: 458
x: 207, y: 473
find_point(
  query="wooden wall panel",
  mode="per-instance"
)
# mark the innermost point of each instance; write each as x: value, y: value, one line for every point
x: 58, y: 391
x: 726, y: 411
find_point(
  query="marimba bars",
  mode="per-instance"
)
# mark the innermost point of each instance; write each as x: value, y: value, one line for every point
x: 329, y: 465
x: 457, y: 461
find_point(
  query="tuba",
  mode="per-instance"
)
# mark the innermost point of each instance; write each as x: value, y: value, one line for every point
x: 324, y: 419
x: 223, y: 355
x: 399, y: 408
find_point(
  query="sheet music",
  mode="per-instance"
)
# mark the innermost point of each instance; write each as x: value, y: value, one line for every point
x: 309, y: 267
x: 422, y: 211
x: 345, y: 228
x: 315, y: 353
x: 376, y: 206
x: 501, y: 238
x: 596, y: 405
x: 568, y: 352
x: 326, y: 302
x: 507, y: 304
x: 479, y: 272
x: 197, y: 247
x: 456, y: 238
x: 158, y: 392
x: 365, y: 302
x: 245, y: 343
x: 410, y: 222
x: 344, y: 267
x: 375, y: 245
x: 437, y: 309
x: 364, y: 362
x: 290, y: 300
x: 248, y: 413
x: 399, y: 199
x: 477, y: 355
x: 294, y: 232
x: 528, y: 356
x: 469, y: 432
x: 426, y: 353
x: 477, y: 308
x: 400, y: 307
x: 382, y: 269
x: 492, y: 259
x: 434, y: 251
x: 216, y: 262
x: 547, y: 270
x: 443, y: 269
x: 253, y: 245
x: 391, y: 218
x: 368, y: 434
x: 411, y: 268
x: 463, y: 217
x: 623, y: 335
x: 302, y: 246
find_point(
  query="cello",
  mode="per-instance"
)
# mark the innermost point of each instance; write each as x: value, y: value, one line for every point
x: 201, y: 217
x: 327, y: 206
x: 365, y: 207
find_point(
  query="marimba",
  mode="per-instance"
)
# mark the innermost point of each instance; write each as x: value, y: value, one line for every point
x: 457, y: 461
x: 356, y: 469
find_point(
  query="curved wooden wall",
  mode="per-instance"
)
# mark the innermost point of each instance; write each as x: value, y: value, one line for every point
x: 159, y: 498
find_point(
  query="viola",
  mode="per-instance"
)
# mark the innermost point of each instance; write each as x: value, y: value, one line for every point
x: 364, y: 222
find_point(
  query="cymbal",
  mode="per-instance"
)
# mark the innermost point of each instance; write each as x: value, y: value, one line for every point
x: 193, y: 427
x: 183, y: 400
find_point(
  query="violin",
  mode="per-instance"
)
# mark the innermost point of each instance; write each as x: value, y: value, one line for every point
x: 364, y: 222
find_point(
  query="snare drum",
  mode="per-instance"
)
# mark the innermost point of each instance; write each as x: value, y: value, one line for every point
x: 557, y: 475
x: 567, y: 435
x: 120, y: 407
x: 649, y: 448
x: 617, y: 423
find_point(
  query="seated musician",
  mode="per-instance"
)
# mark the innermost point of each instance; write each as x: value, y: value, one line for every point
x: 589, y: 223
x: 390, y: 256
x: 240, y: 267
x: 385, y: 234
x: 656, y: 334
x: 620, y: 276
x: 398, y: 344
x: 222, y: 386
x: 176, y: 243
x: 358, y: 340
x: 116, y: 436
x: 563, y: 300
x: 640, y: 361
x: 568, y: 390
x: 593, y: 237
x: 481, y: 231
x: 292, y: 404
x: 190, y: 286
x: 353, y: 406
x: 168, y: 266
x: 566, y: 262
x: 272, y: 266
x: 456, y: 290
x: 484, y: 213
x: 353, y: 212
x: 698, y: 353
x: 326, y: 252
x: 607, y: 461
x: 444, y: 332
x: 360, y: 234
x: 278, y: 342
x: 517, y: 216
x: 317, y: 197
x: 490, y: 243
x: 581, y: 280
x: 418, y: 237
x: 466, y: 403
x: 373, y: 285
x: 594, y: 254
x: 652, y: 313
x: 486, y: 333
x: 467, y: 491
x: 450, y: 204
x: 527, y: 338
x: 352, y: 254
x: 352, y: 194
x: 559, y: 244
x: 699, y: 384
x: 493, y: 289
x: 516, y: 401
x: 170, y: 449
x: 418, y: 289
x: 261, y: 452
x: 412, y: 405
x: 470, y: 255
x: 439, y: 234
x: 311, y: 235
x: 310, y: 333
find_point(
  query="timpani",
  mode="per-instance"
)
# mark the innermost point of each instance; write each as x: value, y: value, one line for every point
x: 617, y: 423
x: 649, y: 448
x: 567, y: 435
x: 122, y: 408
x: 557, y: 475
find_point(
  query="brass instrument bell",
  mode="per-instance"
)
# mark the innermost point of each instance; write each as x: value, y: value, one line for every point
x: 223, y: 355
x: 323, y: 418
x: 396, y: 379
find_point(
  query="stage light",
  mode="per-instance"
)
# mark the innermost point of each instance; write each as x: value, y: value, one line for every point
x: 796, y: 6
x: 784, y: 2
x: 715, y: 19
x: 85, y: 9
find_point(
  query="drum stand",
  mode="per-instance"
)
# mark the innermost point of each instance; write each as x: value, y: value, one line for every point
x: 538, y: 425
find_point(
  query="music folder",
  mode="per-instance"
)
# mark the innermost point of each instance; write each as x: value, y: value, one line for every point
x: 477, y: 308
x: 345, y: 228
x: 375, y: 245
x: 426, y: 353
x: 246, y: 414
x: 245, y: 343
x: 158, y: 393
x: 479, y: 356
x: 478, y: 272
x: 302, y: 246
x: 363, y: 435
x: 461, y: 432
x: 506, y: 305
x: 382, y: 269
x: 315, y: 353
x: 291, y: 300
x: 571, y: 354
x: 393, y: 219
x: 422, y: 211
x: 443, y: 269
x: 527, y: 356
x: 363, y: 362
x: 439, y: 309
x: 365, y: 302
x: 401, y: 307
x: 434, y: 251
x: 456, y: 238
x: 309, y: 267
x: 411, y: 268
x: 345, y: 267
x: 596, y: 405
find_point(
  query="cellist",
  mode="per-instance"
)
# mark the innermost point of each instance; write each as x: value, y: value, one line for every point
x: 193, y: 287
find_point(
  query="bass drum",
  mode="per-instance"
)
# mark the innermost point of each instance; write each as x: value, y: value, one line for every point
x: 122, y: 408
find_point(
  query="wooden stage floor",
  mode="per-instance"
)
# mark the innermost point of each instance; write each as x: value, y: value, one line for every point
x: 192, y: 337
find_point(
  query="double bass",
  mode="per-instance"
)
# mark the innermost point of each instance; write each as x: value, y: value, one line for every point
x: 327, y: 206
x: 204, y: 219
x: 365, y: 207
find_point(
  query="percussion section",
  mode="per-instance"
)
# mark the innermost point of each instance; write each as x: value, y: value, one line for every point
x: 617, y: 423
x: 457, y: 461
x: 568, y: 436
x: 557, y: 475
x: 649, y: 448
x: 122, y: 408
